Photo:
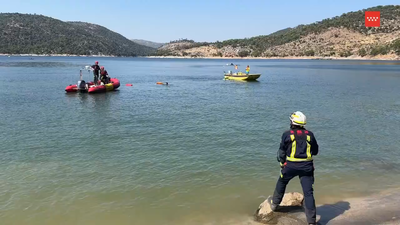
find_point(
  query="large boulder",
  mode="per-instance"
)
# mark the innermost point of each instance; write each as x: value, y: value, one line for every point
x: 287, y: 212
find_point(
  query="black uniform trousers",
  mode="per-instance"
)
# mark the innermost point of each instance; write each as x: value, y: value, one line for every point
x: 95, y: 78
x: 306, y: 177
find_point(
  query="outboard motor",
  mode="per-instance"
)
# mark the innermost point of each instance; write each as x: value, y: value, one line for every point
x: 81, y: 85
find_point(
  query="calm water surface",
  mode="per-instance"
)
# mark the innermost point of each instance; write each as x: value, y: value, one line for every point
x: 199, y: 151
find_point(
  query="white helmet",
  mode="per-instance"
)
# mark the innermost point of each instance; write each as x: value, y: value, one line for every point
x: 298, y: 118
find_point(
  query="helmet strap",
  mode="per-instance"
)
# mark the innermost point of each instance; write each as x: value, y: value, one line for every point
x: 293, y: 126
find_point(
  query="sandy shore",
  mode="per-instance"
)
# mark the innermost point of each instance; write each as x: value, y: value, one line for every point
x: 382, y: 208
x: 379, y: 209
x: 378, y: 57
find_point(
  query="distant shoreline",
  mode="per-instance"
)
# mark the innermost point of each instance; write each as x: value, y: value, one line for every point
x: 57, y: 55
x: 378, y: 57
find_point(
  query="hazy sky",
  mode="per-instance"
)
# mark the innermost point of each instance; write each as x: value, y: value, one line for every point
x: 200, y: 20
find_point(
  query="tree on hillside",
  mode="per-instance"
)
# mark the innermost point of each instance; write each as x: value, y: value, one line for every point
x: 362, y: 52
x: 243, y: 53
x: 309, y: 53
x: 396, y: 46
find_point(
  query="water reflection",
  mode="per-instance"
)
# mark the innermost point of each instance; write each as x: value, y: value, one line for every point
x: 375, y: 62
x: 95, y: 101
x: 36, y: 64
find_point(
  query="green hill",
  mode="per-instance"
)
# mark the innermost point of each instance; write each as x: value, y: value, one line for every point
x: 148, y: 43
x: 343, y: 35
x: 351, y: 20
x: 37, y: 34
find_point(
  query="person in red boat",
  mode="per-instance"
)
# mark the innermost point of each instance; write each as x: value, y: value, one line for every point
x: 96, y: 69
x: 104, y: 76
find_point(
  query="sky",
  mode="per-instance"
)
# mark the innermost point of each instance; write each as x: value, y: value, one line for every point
x: 199, y: 20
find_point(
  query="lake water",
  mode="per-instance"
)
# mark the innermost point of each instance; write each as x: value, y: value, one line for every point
x: 199, y: 151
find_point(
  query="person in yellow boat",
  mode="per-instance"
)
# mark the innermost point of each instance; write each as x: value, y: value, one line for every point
x: 247, y: 69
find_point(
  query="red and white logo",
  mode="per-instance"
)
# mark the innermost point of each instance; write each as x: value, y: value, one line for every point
x: 372, y: 18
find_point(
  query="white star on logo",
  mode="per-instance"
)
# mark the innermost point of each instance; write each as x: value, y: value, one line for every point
x: 373, y: 18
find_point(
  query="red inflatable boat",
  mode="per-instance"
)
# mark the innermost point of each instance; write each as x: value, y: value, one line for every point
x: 91, y: 88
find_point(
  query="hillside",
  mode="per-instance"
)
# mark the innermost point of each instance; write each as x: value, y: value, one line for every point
x: 340, y: 36
x: 150, y: 44
x: 37, y: 34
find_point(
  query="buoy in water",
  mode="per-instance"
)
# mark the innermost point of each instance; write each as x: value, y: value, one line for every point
x: 129, y: 85
x: 166, y: 83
